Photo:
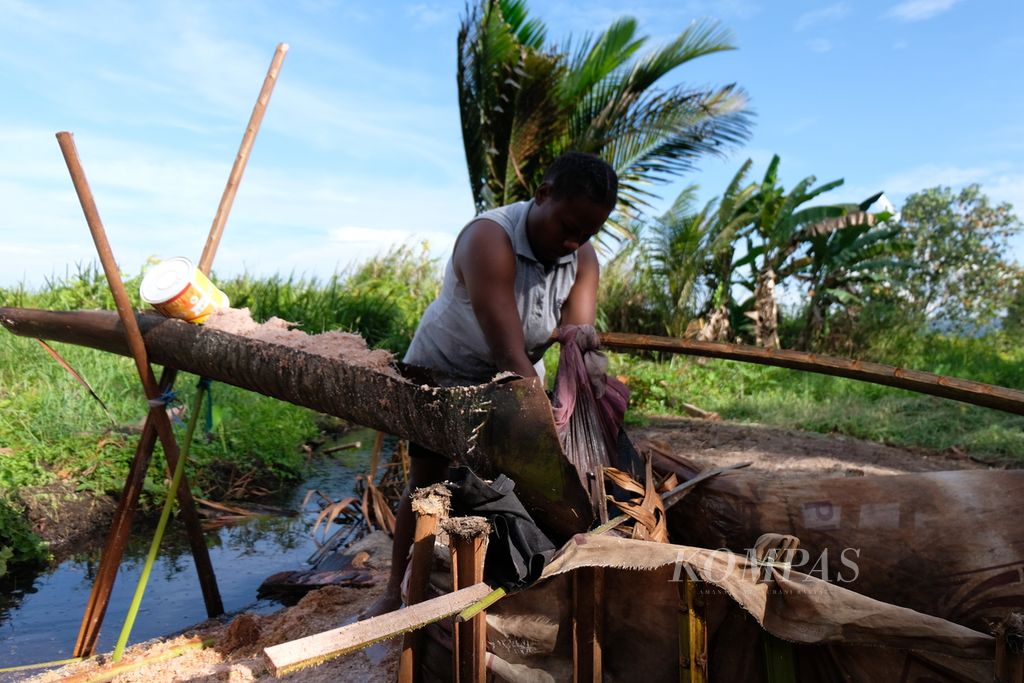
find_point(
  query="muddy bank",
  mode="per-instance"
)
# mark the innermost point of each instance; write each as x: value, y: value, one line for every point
x: 787, y: 453
x: 66, y: 519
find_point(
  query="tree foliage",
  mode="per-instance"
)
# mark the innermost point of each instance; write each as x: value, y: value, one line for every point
x: 757, y: 236
x: 523, y: 101
x: 956, y: 243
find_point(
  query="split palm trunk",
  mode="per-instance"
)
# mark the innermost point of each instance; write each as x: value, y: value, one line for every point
x: 499, y: 427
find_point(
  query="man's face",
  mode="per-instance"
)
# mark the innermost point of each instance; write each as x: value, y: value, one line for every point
x: 558, y: 227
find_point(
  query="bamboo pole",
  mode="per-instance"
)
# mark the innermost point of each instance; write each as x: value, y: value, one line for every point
x: 467, y: 542
x: 157, y: 414
x: 113, y: 551
x: 430, y: 504
x: 241, y: 159
x: 693, y: 634
x: 977, y: 393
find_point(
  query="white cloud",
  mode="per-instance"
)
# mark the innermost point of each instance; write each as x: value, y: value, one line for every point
x: 427, y: 15
x: 831, y: 13
x: 820, y: 45
x: 930, y: 175
x: 1007, y: 187
x: 156, y: 201
x: 919, y: 10
x: 1001, y: 182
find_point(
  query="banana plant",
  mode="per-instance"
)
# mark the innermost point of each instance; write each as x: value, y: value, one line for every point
x: 774, y: 240
x: 843, y: 263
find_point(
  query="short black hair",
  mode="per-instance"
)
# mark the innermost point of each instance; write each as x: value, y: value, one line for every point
x: 578, y: 174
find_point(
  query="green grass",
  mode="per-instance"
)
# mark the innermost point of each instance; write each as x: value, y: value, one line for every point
x: 801, y: 400
x: 51, y: 429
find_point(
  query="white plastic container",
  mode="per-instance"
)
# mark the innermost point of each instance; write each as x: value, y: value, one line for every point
x: 177, y: 289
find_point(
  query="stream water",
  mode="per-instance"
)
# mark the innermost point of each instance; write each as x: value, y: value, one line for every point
x: 39, y: 622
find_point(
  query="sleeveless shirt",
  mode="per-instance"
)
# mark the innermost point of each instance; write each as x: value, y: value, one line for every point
x: 449, y: 339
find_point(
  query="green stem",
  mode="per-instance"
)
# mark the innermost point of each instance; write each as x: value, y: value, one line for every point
x: 161, y: 526
x: 41, y: 665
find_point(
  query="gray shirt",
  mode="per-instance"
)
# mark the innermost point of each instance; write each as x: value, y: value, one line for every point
x: 449, y: 339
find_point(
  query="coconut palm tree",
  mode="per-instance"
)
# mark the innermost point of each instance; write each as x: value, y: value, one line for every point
x: 524, y: 101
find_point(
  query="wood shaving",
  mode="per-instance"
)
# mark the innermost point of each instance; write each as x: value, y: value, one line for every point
x: 344, y: 346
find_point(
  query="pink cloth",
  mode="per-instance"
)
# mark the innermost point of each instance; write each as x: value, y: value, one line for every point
x: 582, y: 375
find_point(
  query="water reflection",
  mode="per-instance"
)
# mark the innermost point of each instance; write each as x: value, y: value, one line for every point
x: 40, y: 616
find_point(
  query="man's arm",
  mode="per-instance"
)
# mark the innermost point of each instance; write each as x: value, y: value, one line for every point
x: 486, y: 264
x: 580, y: 307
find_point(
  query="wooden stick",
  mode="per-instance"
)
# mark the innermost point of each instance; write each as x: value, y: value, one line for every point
x: 587, y: 624
x: 311, y: 650
x: 157, y: 414
x: 430, y: 505
x: 113, y: 550
x: 241, y: 159
x: 467, y: 542
x: 968, y: 391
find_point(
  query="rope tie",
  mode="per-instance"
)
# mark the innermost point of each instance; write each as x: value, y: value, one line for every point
x: 165, y: 399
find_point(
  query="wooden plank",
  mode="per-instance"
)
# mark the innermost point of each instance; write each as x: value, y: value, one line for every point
x: 321, y: 647
x: 587, y: 624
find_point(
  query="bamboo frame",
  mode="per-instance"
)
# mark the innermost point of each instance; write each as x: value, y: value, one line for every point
x: 693, y: 635
x: 89, y: 631
x: 587, y: 624
x: 117, y: 538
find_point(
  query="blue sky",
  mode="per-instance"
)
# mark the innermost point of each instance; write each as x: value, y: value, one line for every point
x: 361, y: 146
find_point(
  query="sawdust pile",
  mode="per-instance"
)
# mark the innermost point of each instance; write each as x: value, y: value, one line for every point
x: 344, y: 346
x: 237, y: 650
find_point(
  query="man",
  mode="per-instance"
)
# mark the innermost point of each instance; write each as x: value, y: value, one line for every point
x: 516, y: 274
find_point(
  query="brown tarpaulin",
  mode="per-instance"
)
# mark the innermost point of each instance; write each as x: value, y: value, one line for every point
x: 843, y: 636
x: 948, y: 544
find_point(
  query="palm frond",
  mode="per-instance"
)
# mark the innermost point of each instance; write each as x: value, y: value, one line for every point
x: 595, y: 60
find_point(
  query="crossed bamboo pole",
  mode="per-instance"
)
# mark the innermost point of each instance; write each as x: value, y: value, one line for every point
x: 157, y: 423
